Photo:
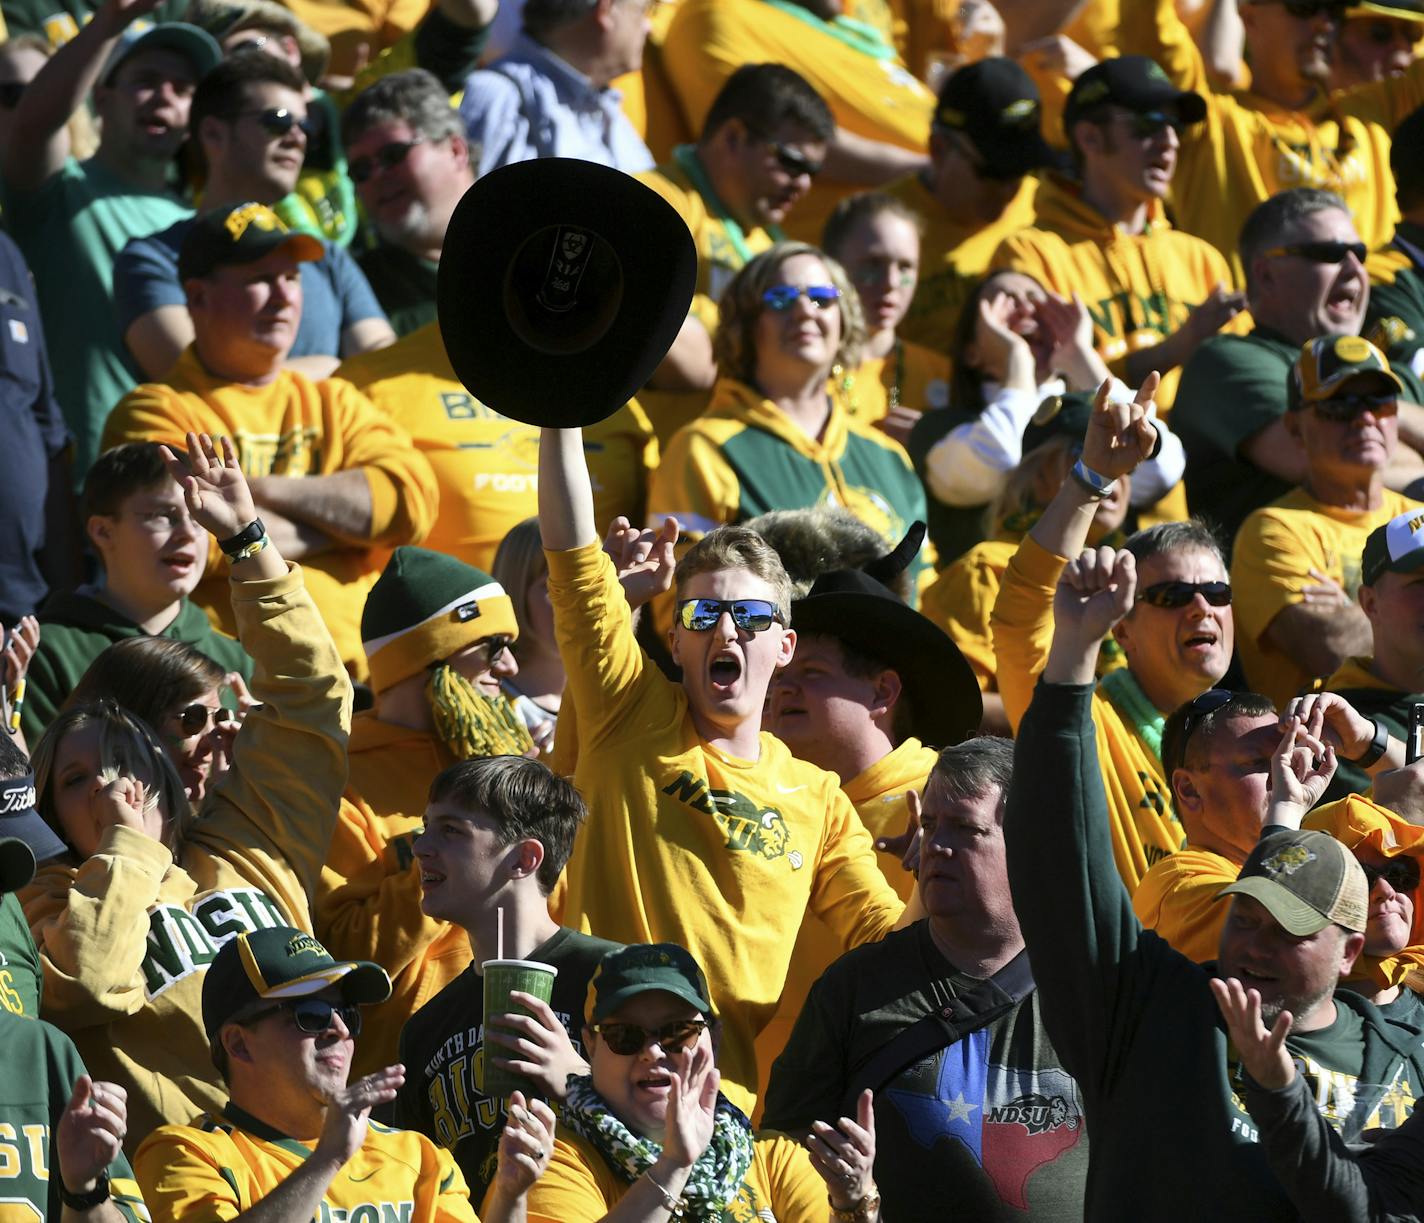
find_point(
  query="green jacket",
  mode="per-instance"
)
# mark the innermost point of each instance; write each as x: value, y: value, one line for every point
x: 75, y: 629
x: 1134, y: 1021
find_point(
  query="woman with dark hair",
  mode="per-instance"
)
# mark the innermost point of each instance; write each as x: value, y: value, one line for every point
x: 128, y: 920
x: 177, y: 691
x: 1015, y: 346
x: 774, y: 437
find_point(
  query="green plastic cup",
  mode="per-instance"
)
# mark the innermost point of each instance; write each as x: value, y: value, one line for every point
x: 501, y: 978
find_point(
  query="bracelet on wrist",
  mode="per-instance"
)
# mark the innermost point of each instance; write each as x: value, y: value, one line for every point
x: 97, y: 1196
x: 861, y: 1212
x: 1379, y: 744
x: 671, y: 1203
x: 246, y: 543
x: 1096, y: 486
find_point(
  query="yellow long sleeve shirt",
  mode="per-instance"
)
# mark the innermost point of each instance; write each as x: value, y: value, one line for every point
x: 368, y: 902
x: 686, y: 844
x: 126, y: 938
x: 1178, y: 899
x: 1144, y: 827
x: 296, y: 427
x: 878, y: 794
x: 953, y: 258
x: 1248, y: 149
x: 909, y: 377
x: 1139, y: 288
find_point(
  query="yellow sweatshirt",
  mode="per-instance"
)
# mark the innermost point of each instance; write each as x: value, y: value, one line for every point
x: 1277, y: 548
x: 953, y: 258
x: 686, y: 844
x: 296, y: 427
x: 867, y: 87
x: 126, y: 938
x: 1144, y: 827
x: 368, y: 902
x: 1139, y: 288
x: 878, y: 794
x: 1248, y: 149
x: 1178, y: 899
x: 486, y: 465
x: 910, y: 377
x: 961, y: 599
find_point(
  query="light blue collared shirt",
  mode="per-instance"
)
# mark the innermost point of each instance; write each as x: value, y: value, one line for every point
x: 530, y: 103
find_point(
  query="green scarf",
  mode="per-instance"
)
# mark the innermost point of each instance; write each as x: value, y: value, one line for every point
x: 856, y: 35
x: 1131, y: 702
x: 717, y: 1174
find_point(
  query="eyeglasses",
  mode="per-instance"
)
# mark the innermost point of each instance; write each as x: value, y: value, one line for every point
x: 387, y: 157
x: 10, y: 93
x: 313, y: 1015
x: 626, y: 1039
x: 1149, y: 124
x: 194, y: 718
x: 782, y: 297
x: 1402, y: 874
x: 1321, y: 252
x: 795, y: 164
x: 1347, y: 407
x: 1179, y: 594
x: 750, y: 615
x: 278, y: 121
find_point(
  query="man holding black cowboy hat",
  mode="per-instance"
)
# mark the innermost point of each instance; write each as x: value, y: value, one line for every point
x: 871, y: 686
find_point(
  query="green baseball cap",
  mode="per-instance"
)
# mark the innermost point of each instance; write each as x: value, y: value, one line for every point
x: 641, y: 968
x: 282, y: 962
x: 1329, y: 363
x: 1306, y: 880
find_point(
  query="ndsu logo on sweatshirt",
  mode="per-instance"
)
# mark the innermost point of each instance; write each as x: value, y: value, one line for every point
x: 181, y: 943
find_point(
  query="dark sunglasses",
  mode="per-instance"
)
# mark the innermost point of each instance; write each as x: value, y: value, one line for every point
x: 626, y: 1039
x: 1149, y: 124
x: 387, y: 157
x: 750, y: 615
x: 794, y: 163
x: 782, y: 297
x: 1179, y: 594
x: 1402, y: 874
x: 194, y: 719
x: 493, y: 647
x: 1347, y: 407
x: 1303, y: 10
x: 278, y: 122
x: 1322, y: 252
x: 313, y: 1015
x: 1202, y: 706
x: 10, y: 93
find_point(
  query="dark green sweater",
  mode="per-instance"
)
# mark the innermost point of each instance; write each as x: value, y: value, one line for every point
x: 1134, y: 1021
x: 75, y: 630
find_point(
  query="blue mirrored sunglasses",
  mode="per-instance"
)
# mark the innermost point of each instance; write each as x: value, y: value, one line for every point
x: 749, y: 615
x: 782, y: 297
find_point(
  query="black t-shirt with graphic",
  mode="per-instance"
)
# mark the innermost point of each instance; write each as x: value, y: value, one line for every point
x: 442, y: 1048
x: 991, y: 1124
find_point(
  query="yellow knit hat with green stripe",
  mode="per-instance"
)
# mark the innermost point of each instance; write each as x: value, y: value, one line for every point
x: 425, y: 607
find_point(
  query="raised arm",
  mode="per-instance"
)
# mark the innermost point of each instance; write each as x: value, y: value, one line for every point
x: 566, y: 518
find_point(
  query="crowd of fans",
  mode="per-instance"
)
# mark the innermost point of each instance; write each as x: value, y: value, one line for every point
x: 951, y: 738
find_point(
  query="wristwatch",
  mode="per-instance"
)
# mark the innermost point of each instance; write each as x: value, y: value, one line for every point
x: 86, y: 1201
x: 862, y: 1212
x: 247, y: 542
x: 1377, y: 748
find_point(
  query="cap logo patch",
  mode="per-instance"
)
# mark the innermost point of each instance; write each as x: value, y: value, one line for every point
x: 1289, y: 860
x: 1415, y: 523
x: 260, y: 215
x: 1022, y: 113
x: 17, y: 794
x: 1048, y: 409
x: 305, y: 942
x: 1155, y: 71
x: 1093, y: 92
x: 467, y: 611
x: 950, y: 117
x: 1352, y: 348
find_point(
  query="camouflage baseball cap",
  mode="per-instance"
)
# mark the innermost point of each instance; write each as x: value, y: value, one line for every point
x: 1329, y: 363
x: 1306, y: 880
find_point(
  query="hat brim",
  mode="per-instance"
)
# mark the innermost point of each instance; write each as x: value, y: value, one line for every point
x: 27, y: 826
x: 578, y: 360
x: 1369, y: 9
x: 192, y: 42
x: 1007, y: 159
x: 1292, y: 913
x: 606, y: 1005
x: 943, y: 691
x: 360, y: 981
x: 17, y: 864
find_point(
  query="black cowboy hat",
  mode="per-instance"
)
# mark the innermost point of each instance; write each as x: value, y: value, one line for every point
x: 858, y: 610
x: 562, y: 285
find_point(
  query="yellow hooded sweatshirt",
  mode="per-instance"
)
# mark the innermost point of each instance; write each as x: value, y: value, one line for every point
x: 126, y: 938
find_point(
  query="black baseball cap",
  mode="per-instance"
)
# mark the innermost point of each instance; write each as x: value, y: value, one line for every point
x: 1135, y: 83
x: 996, y: 104
x: 241, y: 234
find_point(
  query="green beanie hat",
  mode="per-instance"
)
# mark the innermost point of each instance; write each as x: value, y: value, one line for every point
x: 425, y: 607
